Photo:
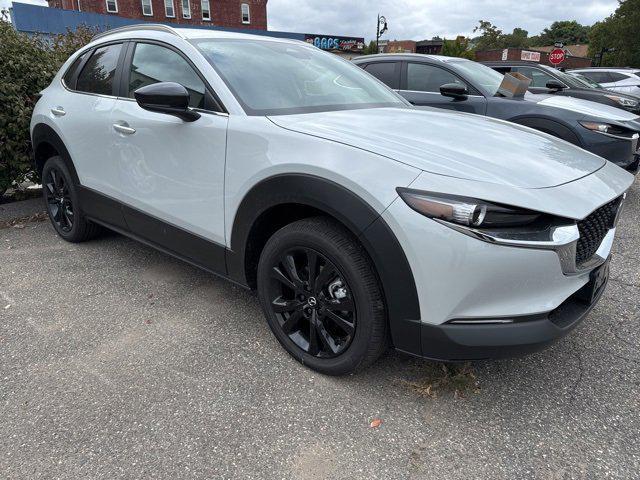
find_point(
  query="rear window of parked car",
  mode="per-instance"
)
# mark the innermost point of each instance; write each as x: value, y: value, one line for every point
x: 97, y: 75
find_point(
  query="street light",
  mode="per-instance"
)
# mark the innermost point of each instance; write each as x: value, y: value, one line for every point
x: 380, y: 29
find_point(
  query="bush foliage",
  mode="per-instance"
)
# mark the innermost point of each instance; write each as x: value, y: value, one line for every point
x: 27, y: 65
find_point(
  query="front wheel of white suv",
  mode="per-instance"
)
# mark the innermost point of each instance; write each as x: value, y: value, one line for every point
x: 321, y: 296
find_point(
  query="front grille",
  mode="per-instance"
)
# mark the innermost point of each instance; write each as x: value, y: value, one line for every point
x: 593, y: 230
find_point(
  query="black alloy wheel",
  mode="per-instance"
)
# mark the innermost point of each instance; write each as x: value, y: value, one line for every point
x: 59, y: 202
x: 63, y: 204
x: 321, y: 296
x: 312, y: 302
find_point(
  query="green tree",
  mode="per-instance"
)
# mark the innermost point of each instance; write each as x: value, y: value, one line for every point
x: 568, y: 32
x: 519, y: 38
x: 27, y: 65
x: 458, y: 48
x: 619, y: 32
x: 490, y: 36
x: 370, y: 49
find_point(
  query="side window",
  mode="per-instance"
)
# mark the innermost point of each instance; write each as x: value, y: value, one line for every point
x: 428, y: 78
x: 386, y: 72
x: 153, y: 63
x: 70, y: 73
x: 502, y: 70
x: 617, y: 77
x: 97, y: 74
x: 598, y: 77
x: 538, y: 77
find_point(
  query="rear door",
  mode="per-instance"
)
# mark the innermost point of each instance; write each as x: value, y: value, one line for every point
x: 387, y: 72
x: 170, y: 172
x: 84, y: 118
x: 421, y: 84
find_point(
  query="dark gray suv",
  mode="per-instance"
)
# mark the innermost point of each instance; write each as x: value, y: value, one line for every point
x: 467, y: 86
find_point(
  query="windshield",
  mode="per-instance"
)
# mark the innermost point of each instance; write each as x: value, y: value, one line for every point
x: 586, y: 81
x: 276, y: 78
x: 478, y: 74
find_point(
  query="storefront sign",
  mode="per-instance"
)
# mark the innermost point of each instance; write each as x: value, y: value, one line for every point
x: 335, y: 43
x: 530, y: 56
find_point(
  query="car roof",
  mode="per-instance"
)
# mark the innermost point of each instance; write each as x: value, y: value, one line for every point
x: 506, y: 63
x: 409, y: 56
x: 186, y: 33
x: 605, y: 69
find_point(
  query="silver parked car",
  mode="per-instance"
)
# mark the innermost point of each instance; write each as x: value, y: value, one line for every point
x: 624, y: 80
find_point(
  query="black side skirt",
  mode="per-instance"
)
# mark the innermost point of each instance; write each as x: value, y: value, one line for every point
x: 152, y: 231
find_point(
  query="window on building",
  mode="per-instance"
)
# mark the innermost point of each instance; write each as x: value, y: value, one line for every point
x: 168, y: 9
x: 153, y: 63
x: 112, y: 6
x: 427, y: 78
x: 147, y: 9
x: 386, y: 72
x: 186, y: 9
x: 246, y: 15
x: 206, y: 10
x: 97, y: 75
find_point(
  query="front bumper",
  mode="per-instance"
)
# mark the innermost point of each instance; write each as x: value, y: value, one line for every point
x: 453, y: 342
x: 623, y: 152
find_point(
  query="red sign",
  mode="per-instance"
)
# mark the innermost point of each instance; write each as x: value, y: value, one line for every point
x: 556, y: 56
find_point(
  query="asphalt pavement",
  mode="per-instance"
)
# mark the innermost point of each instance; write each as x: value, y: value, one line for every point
x: 117, y: 361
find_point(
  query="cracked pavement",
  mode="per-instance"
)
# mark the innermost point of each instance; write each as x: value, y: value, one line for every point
x: 117, y: 361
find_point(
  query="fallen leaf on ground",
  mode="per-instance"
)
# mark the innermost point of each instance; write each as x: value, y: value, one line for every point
x: 375, y: 423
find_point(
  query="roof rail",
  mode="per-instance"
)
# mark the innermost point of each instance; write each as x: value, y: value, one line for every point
x: 144, y: 26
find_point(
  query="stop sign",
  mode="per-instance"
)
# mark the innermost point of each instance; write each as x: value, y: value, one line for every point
x: 556, y: 56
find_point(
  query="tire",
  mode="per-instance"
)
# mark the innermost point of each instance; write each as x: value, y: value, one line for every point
x: 335, y: 321
x: 61, y: 200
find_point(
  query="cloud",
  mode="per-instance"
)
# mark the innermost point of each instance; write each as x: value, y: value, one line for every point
x: 420, y: 19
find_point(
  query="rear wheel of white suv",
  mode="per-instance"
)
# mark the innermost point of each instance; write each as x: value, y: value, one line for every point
x: 63, y: 205
x: 321, y: 296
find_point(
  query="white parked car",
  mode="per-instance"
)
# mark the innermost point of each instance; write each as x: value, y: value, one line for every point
x: 360, y: 220
x: 623, y: 80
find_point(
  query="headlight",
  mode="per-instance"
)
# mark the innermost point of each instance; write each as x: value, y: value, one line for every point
x: 625, y: 102
x: 466, y: 211
x: 608, y: 129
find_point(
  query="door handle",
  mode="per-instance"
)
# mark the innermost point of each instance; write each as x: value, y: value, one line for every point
x: 58, y: 111
x: 124, y: 129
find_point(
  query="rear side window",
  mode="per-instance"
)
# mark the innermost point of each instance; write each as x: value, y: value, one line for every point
x: 97, y: 74
x: 427, y: 78
x: 598, y: 77
x: 153, y: 63
x: 69, y: 76
x: 386, y: 72
x: 616, y: 77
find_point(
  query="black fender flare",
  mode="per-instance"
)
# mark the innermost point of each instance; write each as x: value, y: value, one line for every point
x: 44, y: 136
x: 552, y: 127
x: 361, y: 219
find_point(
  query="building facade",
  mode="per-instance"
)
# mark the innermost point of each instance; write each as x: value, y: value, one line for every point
x: 237, y: 14
x: 531, y: 55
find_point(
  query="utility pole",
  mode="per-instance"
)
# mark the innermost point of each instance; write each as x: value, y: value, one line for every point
x: 382, y: 21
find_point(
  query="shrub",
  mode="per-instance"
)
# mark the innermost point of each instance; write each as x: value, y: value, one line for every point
x: 27, y: 65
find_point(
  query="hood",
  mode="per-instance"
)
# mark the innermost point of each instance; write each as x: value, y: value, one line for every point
x: 584, y: 107
x: 452, y: 144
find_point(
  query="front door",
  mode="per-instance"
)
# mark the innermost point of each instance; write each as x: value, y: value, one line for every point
x: 169, y: 171
x: 421, y: 87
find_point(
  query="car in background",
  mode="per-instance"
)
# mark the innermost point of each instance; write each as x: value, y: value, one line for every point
x: 466, y: 86
x: 623, y: 80
x: 545, y: 79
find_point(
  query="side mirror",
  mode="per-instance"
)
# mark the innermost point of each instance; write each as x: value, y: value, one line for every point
x: 555, y: 85
x: 454, y: 90
x: 166, y: 97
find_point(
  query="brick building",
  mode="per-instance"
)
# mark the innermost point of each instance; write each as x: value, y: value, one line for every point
x: 242, y: 14
x: 531, y: 55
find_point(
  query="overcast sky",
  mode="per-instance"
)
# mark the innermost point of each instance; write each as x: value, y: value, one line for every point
x: 423, y: 19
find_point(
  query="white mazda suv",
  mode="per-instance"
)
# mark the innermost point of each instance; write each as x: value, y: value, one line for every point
x: 361, y: 221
